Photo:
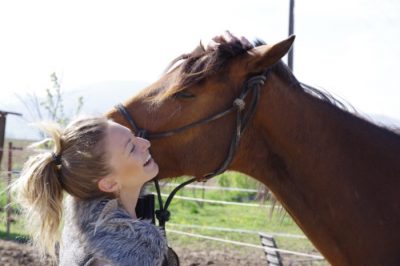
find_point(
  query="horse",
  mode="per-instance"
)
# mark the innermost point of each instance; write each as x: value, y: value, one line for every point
x: 335, y: 173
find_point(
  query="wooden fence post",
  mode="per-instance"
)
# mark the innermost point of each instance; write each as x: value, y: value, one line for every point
x: 2, y: 133
x: 9, y: 176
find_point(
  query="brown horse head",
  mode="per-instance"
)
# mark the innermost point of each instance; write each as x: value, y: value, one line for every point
x: 203, y: 83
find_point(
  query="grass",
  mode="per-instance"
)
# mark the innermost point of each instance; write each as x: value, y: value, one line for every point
x: 17, y: 231
x: 21, y: 238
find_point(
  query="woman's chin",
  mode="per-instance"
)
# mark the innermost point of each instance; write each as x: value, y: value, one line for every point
x: 152, y: 169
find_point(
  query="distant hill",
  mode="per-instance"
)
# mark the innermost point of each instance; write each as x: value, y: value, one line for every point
x: 98, y: 98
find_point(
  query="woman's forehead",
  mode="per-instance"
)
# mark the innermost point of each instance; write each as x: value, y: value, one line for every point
x: 118, y: 132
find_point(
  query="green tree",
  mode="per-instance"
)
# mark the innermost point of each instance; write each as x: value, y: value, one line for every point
x: 54, y: 105
x: 51, y: 106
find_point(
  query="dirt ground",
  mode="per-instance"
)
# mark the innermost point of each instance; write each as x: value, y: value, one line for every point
x: 12, y: 254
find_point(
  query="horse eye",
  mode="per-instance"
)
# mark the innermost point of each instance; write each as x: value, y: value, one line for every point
x: 184, y: 94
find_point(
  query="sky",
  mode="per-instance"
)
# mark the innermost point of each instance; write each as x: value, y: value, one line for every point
x: 349, y: 48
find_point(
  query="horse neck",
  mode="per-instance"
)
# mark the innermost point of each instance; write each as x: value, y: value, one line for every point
x: 324, y: 165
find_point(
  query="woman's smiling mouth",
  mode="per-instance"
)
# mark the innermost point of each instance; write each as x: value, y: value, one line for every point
x: 148, y: 160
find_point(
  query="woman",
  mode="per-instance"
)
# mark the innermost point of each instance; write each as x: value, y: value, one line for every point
x: 103, y: 166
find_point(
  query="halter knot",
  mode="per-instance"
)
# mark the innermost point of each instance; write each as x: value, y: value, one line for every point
x: 239, y: 103
x: 163, y: 215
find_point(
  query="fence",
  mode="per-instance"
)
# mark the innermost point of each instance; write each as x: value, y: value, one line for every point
x: 172, y: 227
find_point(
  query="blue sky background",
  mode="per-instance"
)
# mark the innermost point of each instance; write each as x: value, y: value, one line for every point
x: 349, y: 48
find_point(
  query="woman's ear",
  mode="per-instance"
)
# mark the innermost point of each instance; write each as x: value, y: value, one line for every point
x: 108, y: 184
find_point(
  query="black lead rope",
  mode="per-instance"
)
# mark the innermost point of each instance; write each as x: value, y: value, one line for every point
x: 252, y: 84
x: 163, y: 213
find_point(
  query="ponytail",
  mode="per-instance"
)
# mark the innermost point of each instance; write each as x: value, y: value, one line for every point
x: 39, y: 193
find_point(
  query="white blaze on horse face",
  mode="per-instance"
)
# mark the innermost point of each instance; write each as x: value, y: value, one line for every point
x: 130, y: 157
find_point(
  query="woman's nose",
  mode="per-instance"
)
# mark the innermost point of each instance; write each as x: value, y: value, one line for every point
x: 144, y: 143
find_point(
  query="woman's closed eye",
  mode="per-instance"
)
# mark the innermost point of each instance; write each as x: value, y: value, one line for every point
x: 133, y: 148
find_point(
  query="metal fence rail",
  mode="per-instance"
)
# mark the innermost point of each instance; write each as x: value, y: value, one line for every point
x: 284, y: 251
x: 236, y: 230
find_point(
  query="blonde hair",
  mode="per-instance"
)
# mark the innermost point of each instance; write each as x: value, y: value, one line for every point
x: 39, y: 190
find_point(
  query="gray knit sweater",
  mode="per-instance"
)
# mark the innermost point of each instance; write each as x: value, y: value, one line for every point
x: 101, y: 232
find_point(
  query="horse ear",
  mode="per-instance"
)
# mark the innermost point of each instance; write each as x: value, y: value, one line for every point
x: 265, y: 56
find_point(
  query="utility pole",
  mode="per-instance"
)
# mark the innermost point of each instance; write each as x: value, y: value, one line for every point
x: 291, y: 31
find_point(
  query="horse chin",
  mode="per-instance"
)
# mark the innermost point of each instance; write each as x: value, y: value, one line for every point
x: 168, y: 173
